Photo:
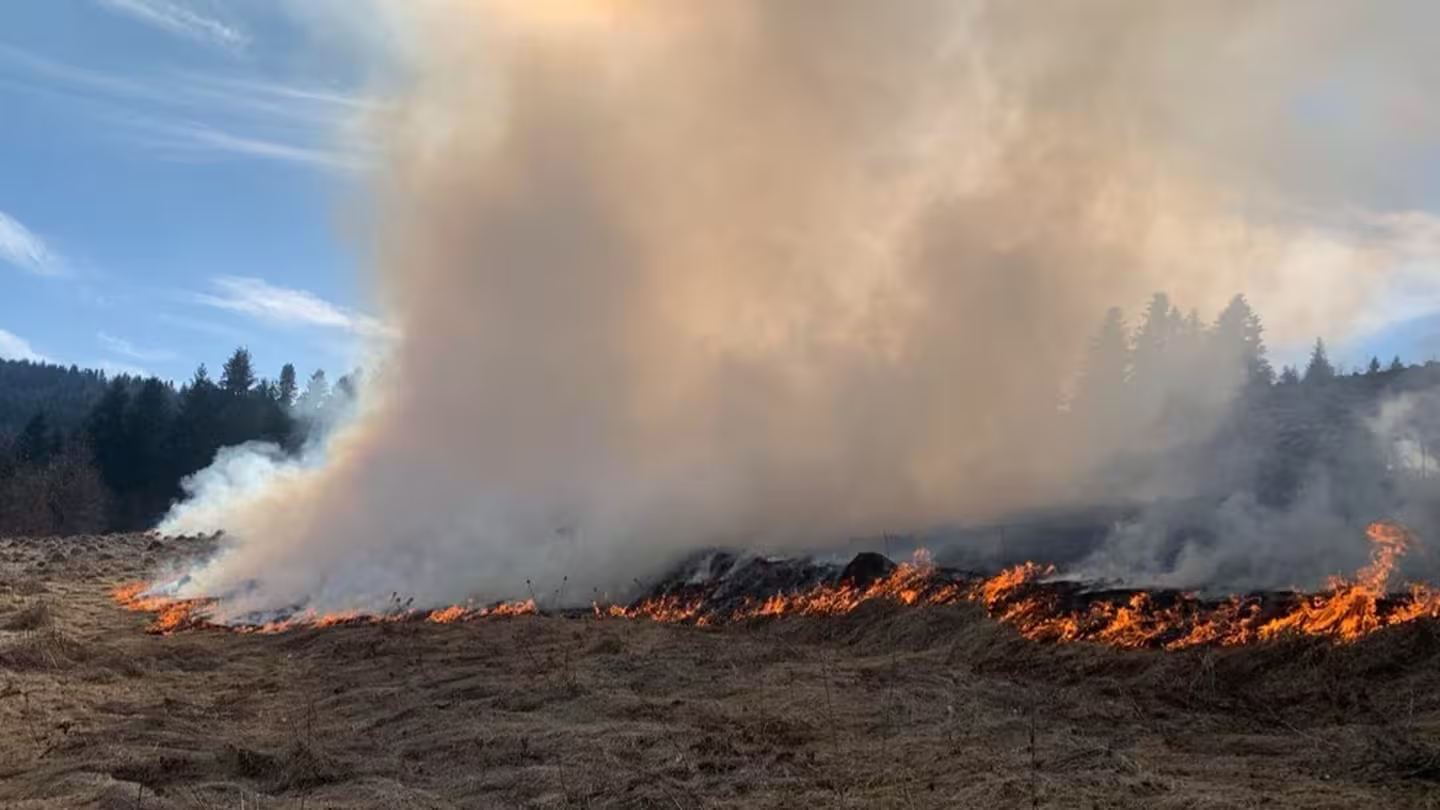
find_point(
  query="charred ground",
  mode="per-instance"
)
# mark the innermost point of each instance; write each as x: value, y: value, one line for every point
x: 913, y: 707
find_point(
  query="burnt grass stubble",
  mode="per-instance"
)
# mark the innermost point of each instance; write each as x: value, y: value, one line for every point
x: 885, y: 707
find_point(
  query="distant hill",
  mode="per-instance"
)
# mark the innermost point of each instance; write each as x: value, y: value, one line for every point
x: 64, y: 394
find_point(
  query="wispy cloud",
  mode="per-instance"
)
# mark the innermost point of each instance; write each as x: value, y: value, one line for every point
x: 198, y: 139
x: 180, y: 19
x: 262, y: 300
x: 23, y: 248
x: 125, y: 348
x: 14, y: 347
x: 187, y: 116
x: 209, y: 327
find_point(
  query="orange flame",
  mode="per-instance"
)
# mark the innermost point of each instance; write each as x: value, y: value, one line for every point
x: 173, y: 615
x: 1348, y: 610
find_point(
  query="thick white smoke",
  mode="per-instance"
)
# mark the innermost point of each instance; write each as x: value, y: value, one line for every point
x: 667, y: 274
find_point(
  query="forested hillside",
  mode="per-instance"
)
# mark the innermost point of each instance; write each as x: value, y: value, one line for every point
x: 1174, y: 404
x: 91, y: 453
x: 1175, y: 397
x: 64, y: 395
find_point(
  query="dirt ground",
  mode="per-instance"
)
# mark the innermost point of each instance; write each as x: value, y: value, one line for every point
x: 903, y: 708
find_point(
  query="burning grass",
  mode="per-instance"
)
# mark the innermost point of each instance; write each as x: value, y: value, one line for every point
x: 1026, y: 597
x: 861, y: 701
x: 1350, y: 608
x: 175, y: 615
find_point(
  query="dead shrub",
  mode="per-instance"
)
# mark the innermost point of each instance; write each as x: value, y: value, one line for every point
x: 30, y: 586
x: 34, y: 616
x: 300, y: 767
x: 610, y: 645
x: 47, y: 649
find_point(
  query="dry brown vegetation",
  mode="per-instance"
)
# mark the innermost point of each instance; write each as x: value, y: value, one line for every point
x: 934, y: 707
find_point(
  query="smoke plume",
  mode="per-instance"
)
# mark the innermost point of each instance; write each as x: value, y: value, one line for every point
x: 782, y: 273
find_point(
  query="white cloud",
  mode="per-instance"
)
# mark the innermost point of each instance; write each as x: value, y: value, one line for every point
x: 23, y: 248
x: 194, y: 138
x: 125, y: 348
x: 209, y: 327
x: 178, y: 18
x: 188, y: 116
x: 259, y: 299
x: 14, y: 347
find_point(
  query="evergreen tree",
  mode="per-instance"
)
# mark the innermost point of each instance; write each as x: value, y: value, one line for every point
x: 313, y: 400
x: 35, y: 444
x: 1098, y: 403
x: 1289, y: 376
x: 1396, y: 365
x: 347, y: 386
x: 1319, y: 368
x: 8, y: 462
x: 196, y: 429
x: 238, y: 376
x: 1239, y: 341
x: 1153, y: 341
x: 149, y: 466
x: 1188, y: 346
x: 241, y: 413
x: 108, y: 440
x: 1106, y: 365
x: 273, y: 417
x: 287, y: 386
x: 1374, y: 367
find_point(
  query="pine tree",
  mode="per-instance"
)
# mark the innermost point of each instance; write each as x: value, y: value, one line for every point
x: 105, y: 431
x: 238, y: 376
x: 1396, y: 365
x: 312, y: 401
x: 148, y: 433
x: 1239, y: 340
x: 344, y: 394
x: 1289, y: 376
x: 273, y: 417
x: 1319, y: 368
x: 1188, y: 343
x: 347, y: 386
x: 287, y: 386
x: 1101, y: 389
x: 1374, y: 367
x: 1106, y: 364
x: 1153, y: 341
x: 196, y: 428
x: 35, y: 444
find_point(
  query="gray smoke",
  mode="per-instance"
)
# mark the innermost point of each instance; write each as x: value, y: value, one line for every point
x: 780, y: 273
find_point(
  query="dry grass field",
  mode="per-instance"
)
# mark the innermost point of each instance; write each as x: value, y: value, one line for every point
x: 901, y: 708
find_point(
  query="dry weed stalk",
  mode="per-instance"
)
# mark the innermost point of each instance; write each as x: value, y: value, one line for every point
x: 830, y: 722
x: 1034, y: 763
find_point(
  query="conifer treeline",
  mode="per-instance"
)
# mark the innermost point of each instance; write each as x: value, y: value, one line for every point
x: 1175, y: 396
x: 118, y: 463
x: 95, y: 454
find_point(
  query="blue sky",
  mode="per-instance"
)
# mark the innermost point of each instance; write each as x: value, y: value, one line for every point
x: 174, y: 182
